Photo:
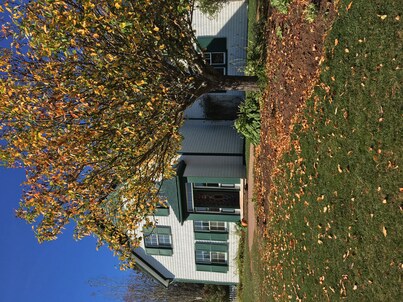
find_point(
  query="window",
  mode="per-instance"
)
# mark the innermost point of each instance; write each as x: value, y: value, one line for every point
x: 201, y: 225
x: 214, y: 58
x: 218, y: 257
x: 157, y: 240
x: 217, y: 226
x: 207, y: 226
x: 217, y: 58
x: 210, y: 257
x: 207, y: 57
x: 213, y: 185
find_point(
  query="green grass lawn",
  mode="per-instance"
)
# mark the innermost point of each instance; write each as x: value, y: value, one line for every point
x: 335, y: 230
x: 250, y: 287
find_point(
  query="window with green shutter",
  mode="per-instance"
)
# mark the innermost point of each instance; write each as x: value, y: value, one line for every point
x: 211, y: 257
x: 158, y: 241
x: 215, y: 52
x: 210, y: 230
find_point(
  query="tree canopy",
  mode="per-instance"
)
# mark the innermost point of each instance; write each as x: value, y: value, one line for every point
x: 211, y: 7
x: 91, y: 99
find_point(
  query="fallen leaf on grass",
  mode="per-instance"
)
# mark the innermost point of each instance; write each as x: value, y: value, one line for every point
x: 384, y: 231
x: 339, y: 169
x: 349, y: 6
x: 383, y: 17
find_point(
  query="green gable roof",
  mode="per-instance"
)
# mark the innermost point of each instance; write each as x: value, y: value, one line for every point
x: 172, y: 190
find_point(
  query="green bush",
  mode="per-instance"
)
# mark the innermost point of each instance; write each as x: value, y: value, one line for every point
x: 215, y: 293
x: 280, y: 5
x: 248, y: 122
x: 310, y: 13
x: 210, y: 7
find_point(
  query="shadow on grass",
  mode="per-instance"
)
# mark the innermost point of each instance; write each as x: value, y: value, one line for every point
x: 251, y: 271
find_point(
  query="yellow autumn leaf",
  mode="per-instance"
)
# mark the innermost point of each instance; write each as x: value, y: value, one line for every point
x: 40, y: 136
x: 384, y: 231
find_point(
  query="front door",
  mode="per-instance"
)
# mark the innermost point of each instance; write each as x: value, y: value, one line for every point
x: 215, y: 198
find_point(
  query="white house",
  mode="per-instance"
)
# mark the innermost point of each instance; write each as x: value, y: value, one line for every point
x: 195, y: 239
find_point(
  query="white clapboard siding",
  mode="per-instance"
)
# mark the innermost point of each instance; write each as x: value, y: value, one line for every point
x: 182, y: 264
x: 231, y: 23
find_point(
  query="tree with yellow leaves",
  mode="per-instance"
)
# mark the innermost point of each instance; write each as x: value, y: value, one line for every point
x: 92, y: 95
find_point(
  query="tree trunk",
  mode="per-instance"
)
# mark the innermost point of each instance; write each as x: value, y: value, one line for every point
x: 245, y: 83
x: 210, y: 80
x: 215, y: 81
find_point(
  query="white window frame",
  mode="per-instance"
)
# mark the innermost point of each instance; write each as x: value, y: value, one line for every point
x: 208, y: 57
x: 210, y: 226
x: 214, y: 186
x: 157, y: 240
x: 211, y: 257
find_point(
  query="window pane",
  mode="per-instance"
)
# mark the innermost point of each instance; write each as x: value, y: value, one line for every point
x: 201, y: 225
x: 218, y: 257
x: 220, y: 70
x: 217, y: 58
x: 217, y: 226
x: 207, y: 57
x: 203, y: 256
x: 164, y: 240
x: 198, y: 225
x: 151, y: 240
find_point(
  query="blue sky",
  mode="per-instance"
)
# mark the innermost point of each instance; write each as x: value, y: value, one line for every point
x: 54, y: 271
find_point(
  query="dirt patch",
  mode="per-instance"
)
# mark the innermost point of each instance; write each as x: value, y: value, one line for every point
x: 294, y: 53
x: 251, y: 206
